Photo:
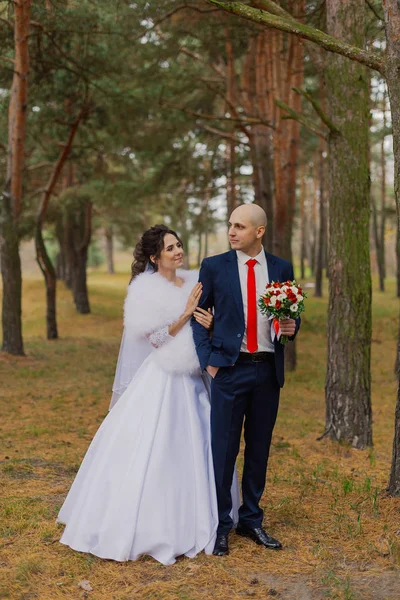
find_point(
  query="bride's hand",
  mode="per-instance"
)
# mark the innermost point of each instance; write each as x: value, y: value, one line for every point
x: 193, y: 299
x: 204, y: 317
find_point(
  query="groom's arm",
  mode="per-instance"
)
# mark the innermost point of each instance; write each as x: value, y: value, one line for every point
x: 201, y: 335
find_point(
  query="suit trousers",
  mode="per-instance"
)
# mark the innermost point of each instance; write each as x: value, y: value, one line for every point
x: 247, y: 391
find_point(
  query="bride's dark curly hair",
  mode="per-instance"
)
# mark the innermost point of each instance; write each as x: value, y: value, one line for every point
x: 150, y: 244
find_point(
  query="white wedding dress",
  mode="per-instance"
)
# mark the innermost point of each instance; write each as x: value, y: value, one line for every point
x: 146, y: 484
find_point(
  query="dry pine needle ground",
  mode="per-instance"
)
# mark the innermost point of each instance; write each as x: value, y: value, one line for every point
x: 325, y: 501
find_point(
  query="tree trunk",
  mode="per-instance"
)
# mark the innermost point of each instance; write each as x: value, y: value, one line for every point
x: 12, y: 279
x: 109, y: 246
x: 378, y: 242
x: 230, y: 145
x: 348, y: 380
x: 303, y: 225
x: 394, y: 481
x: 379, y: 224
x: 61, y: 262
x: 392, y: 24
x: 11, y: 198
x: 382, y: 257
x: 50, y: 278
x: 263, y: 181
x: 80, y: 230
x: 322, y: 226
x: 255, y: 98
x: 79, y: 285
x: 398, y: 261
x: 199, y: 248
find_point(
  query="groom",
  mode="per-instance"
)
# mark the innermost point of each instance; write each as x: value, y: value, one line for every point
x: 246, y: 366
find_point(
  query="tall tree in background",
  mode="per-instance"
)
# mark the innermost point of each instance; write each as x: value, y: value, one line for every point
x: 392, y: 25
x: 348, y: 380
x: 11, y: 198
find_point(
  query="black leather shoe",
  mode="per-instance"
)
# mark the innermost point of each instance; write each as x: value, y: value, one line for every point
x: 259, y: 536
x: 221, y: 547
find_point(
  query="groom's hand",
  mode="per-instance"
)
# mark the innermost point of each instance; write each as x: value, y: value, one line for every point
x: 288, y: 327
x: 212, y: 370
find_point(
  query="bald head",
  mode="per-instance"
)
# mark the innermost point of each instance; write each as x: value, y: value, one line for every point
x: 251, y: 214
x: 246, y: 228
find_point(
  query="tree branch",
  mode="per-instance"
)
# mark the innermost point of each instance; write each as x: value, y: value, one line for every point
x: 374, y: 10
x: 59, y: 165
x: 318, y: 109
x: 7, y: 59
x: 307, y: 32
x: 224, y: 134
x: 194, y: 113
x: 7, y: 22
x: 293, y: 114
x: 39, y: 166
x: 273, y: 8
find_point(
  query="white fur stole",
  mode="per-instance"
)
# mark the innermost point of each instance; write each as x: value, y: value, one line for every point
x: 152, y: 303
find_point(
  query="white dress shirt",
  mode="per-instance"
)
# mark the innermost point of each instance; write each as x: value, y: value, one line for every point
x: 265, y: 343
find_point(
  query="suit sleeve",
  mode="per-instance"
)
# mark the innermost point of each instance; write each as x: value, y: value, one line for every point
x: 201, y: 335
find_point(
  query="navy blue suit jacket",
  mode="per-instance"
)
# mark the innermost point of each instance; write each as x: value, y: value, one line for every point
x: 221, y: 291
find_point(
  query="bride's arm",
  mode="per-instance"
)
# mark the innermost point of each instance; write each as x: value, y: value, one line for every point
x: 160, y: 337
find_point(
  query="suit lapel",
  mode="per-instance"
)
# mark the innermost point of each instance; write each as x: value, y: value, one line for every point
x: 233, y: 276
x: 273, y: 270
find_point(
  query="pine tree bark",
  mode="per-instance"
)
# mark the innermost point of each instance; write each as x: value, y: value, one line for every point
x: 255, y: 99
x: 348, y: 380
x: 379, y: 222
x: 303, y: 223
x: 11, y: 277
x: 231, y: 99
x: 11, y: 198
x: 392, y: 24
x: 398, y: 261
x: 61, y: 262
x: 394, y: 480
x: 322, y: 225
x: 79, y: 231
x: 383, y: 204
x: 50, y: 278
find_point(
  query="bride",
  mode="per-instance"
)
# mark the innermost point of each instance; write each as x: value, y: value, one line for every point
x: 146, y: 484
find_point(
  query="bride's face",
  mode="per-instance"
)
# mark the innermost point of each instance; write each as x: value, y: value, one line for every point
x: 171, y: 256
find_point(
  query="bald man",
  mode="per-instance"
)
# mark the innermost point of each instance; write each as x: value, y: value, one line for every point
x: 246, y: 366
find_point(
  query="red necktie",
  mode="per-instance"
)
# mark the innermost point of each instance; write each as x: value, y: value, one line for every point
x: 251, y: 307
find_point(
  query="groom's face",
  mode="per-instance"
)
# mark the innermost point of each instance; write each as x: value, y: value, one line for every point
x: 243, y: 234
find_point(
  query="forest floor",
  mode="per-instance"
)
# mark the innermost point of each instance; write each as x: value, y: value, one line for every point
x: 325, y: 501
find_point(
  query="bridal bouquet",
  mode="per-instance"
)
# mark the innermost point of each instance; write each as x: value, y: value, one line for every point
x: 281, y: 301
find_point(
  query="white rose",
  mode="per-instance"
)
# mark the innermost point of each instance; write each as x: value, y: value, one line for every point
x: 269, y: 290
x: 282, y: 297
x: 299, y: 297
x: 273, y: 301
x: 284, y: 288
x: 294, y: 307
x: 294, y: 289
